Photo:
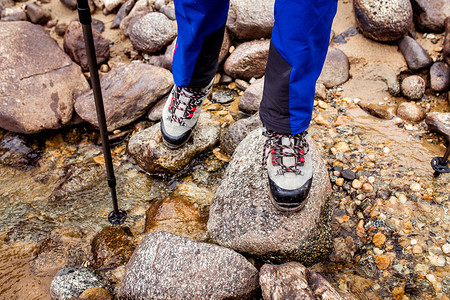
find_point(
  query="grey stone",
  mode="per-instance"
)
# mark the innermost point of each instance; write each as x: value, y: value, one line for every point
x: 140, y: 8
x: 335, y: 69
x: 416, y: 57
x: 251, y: 19
x: 38, y: 81
x: 166, y: 266
x: 383, y: 20
x: 429, y: 15
x: 446, y: 50
x: 242, y: 217
x: 72, y: 282
x: 410, y: 111
x: 236, y: 132
x: 413, y: 87
x: 293, y: 281
x: 14, y: 13
x: 37, y: 14
x: 252, y: 97
x: 223, y: 96
x: 169, y: 12
x: 122, y: 13
x: 72, y: 4
x: 128, y: 92
x: 148, y: 150
x: 439, y: 122
x: 242, y: 84
x: 156, y: 111
x: 248, y: 60
x: 440, y: 76
x: 111, y: 5
x: 151, y: 32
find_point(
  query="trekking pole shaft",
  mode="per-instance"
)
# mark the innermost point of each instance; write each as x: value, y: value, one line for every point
x: 447, y: 153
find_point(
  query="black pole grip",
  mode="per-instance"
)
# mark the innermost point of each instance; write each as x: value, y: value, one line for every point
x: 84, y: 12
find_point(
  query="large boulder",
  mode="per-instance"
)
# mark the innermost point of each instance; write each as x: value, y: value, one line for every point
x: 166, y: 266
x: 251, y: 19
x: 128, y: 92
x: 415, y: 56
x: 242, y: 217
x: 335, y: 69
x: 383, y: 20
x: 429, y: 15
x: 38, y: 81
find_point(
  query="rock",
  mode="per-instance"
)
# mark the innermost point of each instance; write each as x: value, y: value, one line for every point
x: 251, y: 19
x: 383, y: 20
x: 293, y: 281
x: 111, y: 5
x: 413, y: 87
x: 128, y: 91
x: 382, y: 261
x: 252, y: 97
x: 148, y: 150
x: 72, y: 4
x: 169, y: 12
x: 416, y: 57
x: 96, y: 293
x: 242, y: 84
x: 429, y: 15
x: 446, y: 50
x: 348, y: 174
x: 189, y: 270
x: 335, y: 69
x: 156, y: 111
x: 178, y: 216
x: 248, y: 60
x: 242, y: 218
x: 378, y: 239
x: 71, y: 282
x: 17, y: 152
x: 37, y: 14
x: 236, y: 132
x: 151, y: 32
x: 140, y: 8
x: 320, y: 91
x: 223, y: 96
x: 75, y: 47
x: 440, y: 76
x: 6, y: 4
x: 61, y: 28
x: 122, y: 13
x: 410, y: 111
x: 381, y: 111
x: 112, y: 247
x: 15, y: 13
x: 31, y: 63
x: 439, y: 122
x: 225, y: 48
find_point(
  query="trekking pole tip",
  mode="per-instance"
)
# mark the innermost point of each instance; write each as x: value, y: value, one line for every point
x: 117, y: 218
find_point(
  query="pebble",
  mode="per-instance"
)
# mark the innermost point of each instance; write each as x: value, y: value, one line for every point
x: 322, y: 104
x: 415, y: 187
x: 417, y: 249
x: 342, y: 147
x: 321, y: 120
x: 379, y: 239
x: 356, y: 184
x: 438, y: 261
x: 410, y: 111
x: 402, y: 198
x: 413, y: 87
x: 339, y: 181
x: 371, y: 179
x: 446, y: 248
x: 348, y: 174
x: 377, y: 251
x: 382, y: 262
x: 367, y: 187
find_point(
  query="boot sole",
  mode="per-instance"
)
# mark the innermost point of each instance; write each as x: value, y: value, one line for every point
x: 285, y: 208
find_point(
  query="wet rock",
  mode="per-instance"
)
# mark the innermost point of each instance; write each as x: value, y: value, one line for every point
x: 252, y: 97
x: 178, y: 216
x: 15, y: 151
x: 429, y: 15
x: 96, y: 293
x: 248, y: 60
x: 150, y: 153
x: 439, y: 122
x: 122, y: 13
x: 293, y: 281
x: 236, y: 132
x: 61, y: 28
x: 112, y: 247
x: 193, y: 270
x: 416, y: 57
x: 75, y: 47
x: 71, y: 282
x: 413, y: 87
x: 128, y: 91
x: 249, y: 19
x: 381, y: 111
x: 242, y: 218
x: 199, y: 196
x: 223, y: 96
x: 151, y: 32
x: 446, y: 50
x: 383, y: 20
x: 410, y: 111
x: 440, y: 76
x: 37, y: 14
x: 156, y: 111
x: 335, y: 69
x: 31, y: 63
x: 111, y: 5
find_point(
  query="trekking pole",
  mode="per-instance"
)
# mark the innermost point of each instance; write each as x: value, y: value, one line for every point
x: 440, y: 165
x: 116, y: 216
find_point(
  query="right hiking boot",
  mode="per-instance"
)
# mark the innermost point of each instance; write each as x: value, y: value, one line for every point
x: 180, y: 114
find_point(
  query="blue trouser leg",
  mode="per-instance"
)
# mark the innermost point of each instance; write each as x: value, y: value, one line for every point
x: 298, y: 49
x: 201, y: 25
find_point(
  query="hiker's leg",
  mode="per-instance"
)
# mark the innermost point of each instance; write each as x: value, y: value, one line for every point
x: 201, y: 26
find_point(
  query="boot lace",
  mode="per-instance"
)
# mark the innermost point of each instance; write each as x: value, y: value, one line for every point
x: 298, y: 147
x: 195, y: 96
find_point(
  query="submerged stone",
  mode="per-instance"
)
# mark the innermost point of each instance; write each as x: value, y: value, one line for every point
x: 72, y: 282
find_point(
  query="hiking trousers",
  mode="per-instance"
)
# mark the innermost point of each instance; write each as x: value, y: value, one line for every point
x: 299, y: 43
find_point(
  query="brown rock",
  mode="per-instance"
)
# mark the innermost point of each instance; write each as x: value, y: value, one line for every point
x: 416, y: 57
x: 379, y: 239
x: 61, y: 28
x: 236, y: 132
x: 377, y: 110
x: 122, y: 13
x: 335, y: 69
x: 321, y: 120
x: 140, y: 8
x: 252, y: 97
x: 382, y: 261
x: 248, y: 60
x: 96, y: 293
x: 410, y: 111
x: 75, y: 47
x: 439, y: 122
x: 446, y: 50
x: 429, y: 15
x: 14, y: 13
x: 37, y: 14
x: 413, y: 87
x: 440, y: 76
x: 156, y: 111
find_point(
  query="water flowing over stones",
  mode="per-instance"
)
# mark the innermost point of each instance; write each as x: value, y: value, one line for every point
x: 383, y: 20
x: 252, y: 97
x: 416, y: 57
x: 129, y: 90
x: 440, y: 76
x: 248, y: 60
x: 237, y: 131
x: 148, y: 150
x: 31, y: 64
x: 243, y: 218
x: 293, y: 281
x: 250, y: 19
x: 151, y: 32
x: 335, y: 69
x: 439, y: 122
x: 72, y: 282
x: 166, y: 266
x: 413, y: 87
x: 410, y: 111
x: 429, y: 15
x: 75, y: 47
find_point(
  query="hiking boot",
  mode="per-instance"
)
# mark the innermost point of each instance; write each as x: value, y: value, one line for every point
x: 181, y: 113
x: 289, y: 167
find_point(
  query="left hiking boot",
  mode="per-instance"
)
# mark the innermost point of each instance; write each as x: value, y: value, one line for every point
x: 180, y: 114
x: 288, y: 162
